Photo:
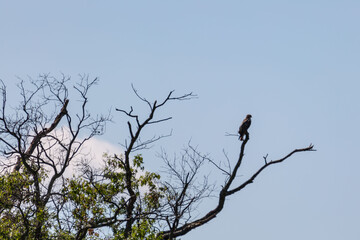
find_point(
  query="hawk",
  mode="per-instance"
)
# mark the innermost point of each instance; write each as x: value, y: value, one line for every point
x: 243, y: 129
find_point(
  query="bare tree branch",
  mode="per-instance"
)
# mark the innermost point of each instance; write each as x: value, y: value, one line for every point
x: 136, y: 144
x: 210, y: 160
x: 224, y: 193
x: 267, y: 164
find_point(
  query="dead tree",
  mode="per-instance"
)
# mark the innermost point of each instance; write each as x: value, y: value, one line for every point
x: 183, y: 191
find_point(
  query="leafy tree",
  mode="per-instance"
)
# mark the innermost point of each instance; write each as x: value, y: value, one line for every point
x: 37, y: 150
x: 40, y: 142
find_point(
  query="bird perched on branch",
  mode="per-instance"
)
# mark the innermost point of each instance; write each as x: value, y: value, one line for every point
x: 243, y: 129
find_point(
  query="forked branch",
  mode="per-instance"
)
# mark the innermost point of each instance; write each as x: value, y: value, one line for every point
x: 225, y: 192
x: 136, y: 144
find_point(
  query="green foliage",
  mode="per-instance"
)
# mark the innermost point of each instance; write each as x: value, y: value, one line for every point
x: 17, y: 206
x: 141, y: 230
x: 87, y: 203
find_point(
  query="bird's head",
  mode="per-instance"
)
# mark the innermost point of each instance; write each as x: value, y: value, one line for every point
x: 248, y: 116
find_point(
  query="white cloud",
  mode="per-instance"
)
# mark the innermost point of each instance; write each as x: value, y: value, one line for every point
x: 96, y: 147
x: 91, y: 151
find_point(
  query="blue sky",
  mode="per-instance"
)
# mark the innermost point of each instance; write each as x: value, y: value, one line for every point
x: 294, y: 65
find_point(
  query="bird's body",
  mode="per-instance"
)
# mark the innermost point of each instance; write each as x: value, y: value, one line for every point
x: 243, y: 129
